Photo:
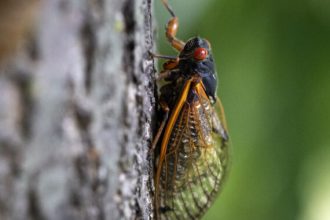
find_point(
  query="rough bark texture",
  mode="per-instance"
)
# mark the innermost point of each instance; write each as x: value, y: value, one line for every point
x: 76, y: 112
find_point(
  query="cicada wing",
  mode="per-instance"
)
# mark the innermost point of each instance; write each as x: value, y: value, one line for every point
x: 195, y: 161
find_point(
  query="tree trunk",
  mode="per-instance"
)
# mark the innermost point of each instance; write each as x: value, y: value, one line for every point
x: 76, y: 114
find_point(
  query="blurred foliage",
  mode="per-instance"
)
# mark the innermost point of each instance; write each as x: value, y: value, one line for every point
x: 273, y: 61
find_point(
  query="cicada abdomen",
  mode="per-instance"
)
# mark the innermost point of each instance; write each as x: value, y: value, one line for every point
x: 195, y: 162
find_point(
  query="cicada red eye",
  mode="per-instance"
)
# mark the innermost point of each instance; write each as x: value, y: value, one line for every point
x: 200, y: 53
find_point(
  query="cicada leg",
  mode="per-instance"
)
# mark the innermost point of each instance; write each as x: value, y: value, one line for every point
x: 154, y: 55
x: 167, y: 133
x: 172, y: 28
x: 168, y: 66
x: 166, y: 110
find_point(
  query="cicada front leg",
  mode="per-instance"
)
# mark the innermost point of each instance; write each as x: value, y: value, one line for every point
x: 168, y: 67
x: 172, y: 28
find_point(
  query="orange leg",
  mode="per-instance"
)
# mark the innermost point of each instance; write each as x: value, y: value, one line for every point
x: 166, y: 110
x: 169, y: 65
x: 172, y: 28
x: 172, y: 62
x: 167, y: 69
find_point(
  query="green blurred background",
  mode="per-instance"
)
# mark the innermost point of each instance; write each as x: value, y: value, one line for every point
x: 273, y: 61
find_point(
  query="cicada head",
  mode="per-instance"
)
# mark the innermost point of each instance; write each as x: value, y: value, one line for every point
x: 196, y: 59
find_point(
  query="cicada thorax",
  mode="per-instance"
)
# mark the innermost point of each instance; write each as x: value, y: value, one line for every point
x: 190, y: 64
x: 192, y: 169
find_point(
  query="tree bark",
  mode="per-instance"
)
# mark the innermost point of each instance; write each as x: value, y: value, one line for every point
x: 76, y: 114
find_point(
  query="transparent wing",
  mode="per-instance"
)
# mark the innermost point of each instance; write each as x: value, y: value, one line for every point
x: 195, y: 163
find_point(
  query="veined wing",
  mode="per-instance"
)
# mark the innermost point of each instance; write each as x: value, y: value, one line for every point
x: 195, y: 163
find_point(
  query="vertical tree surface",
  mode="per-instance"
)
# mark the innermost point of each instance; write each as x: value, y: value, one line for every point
x: 76, y: 113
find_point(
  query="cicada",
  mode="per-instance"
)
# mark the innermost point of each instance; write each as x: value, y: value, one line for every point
x: 192, y: 140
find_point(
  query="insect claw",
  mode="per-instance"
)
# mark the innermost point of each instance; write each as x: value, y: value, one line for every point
x: 168, y: 7
x: 151, y: 54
